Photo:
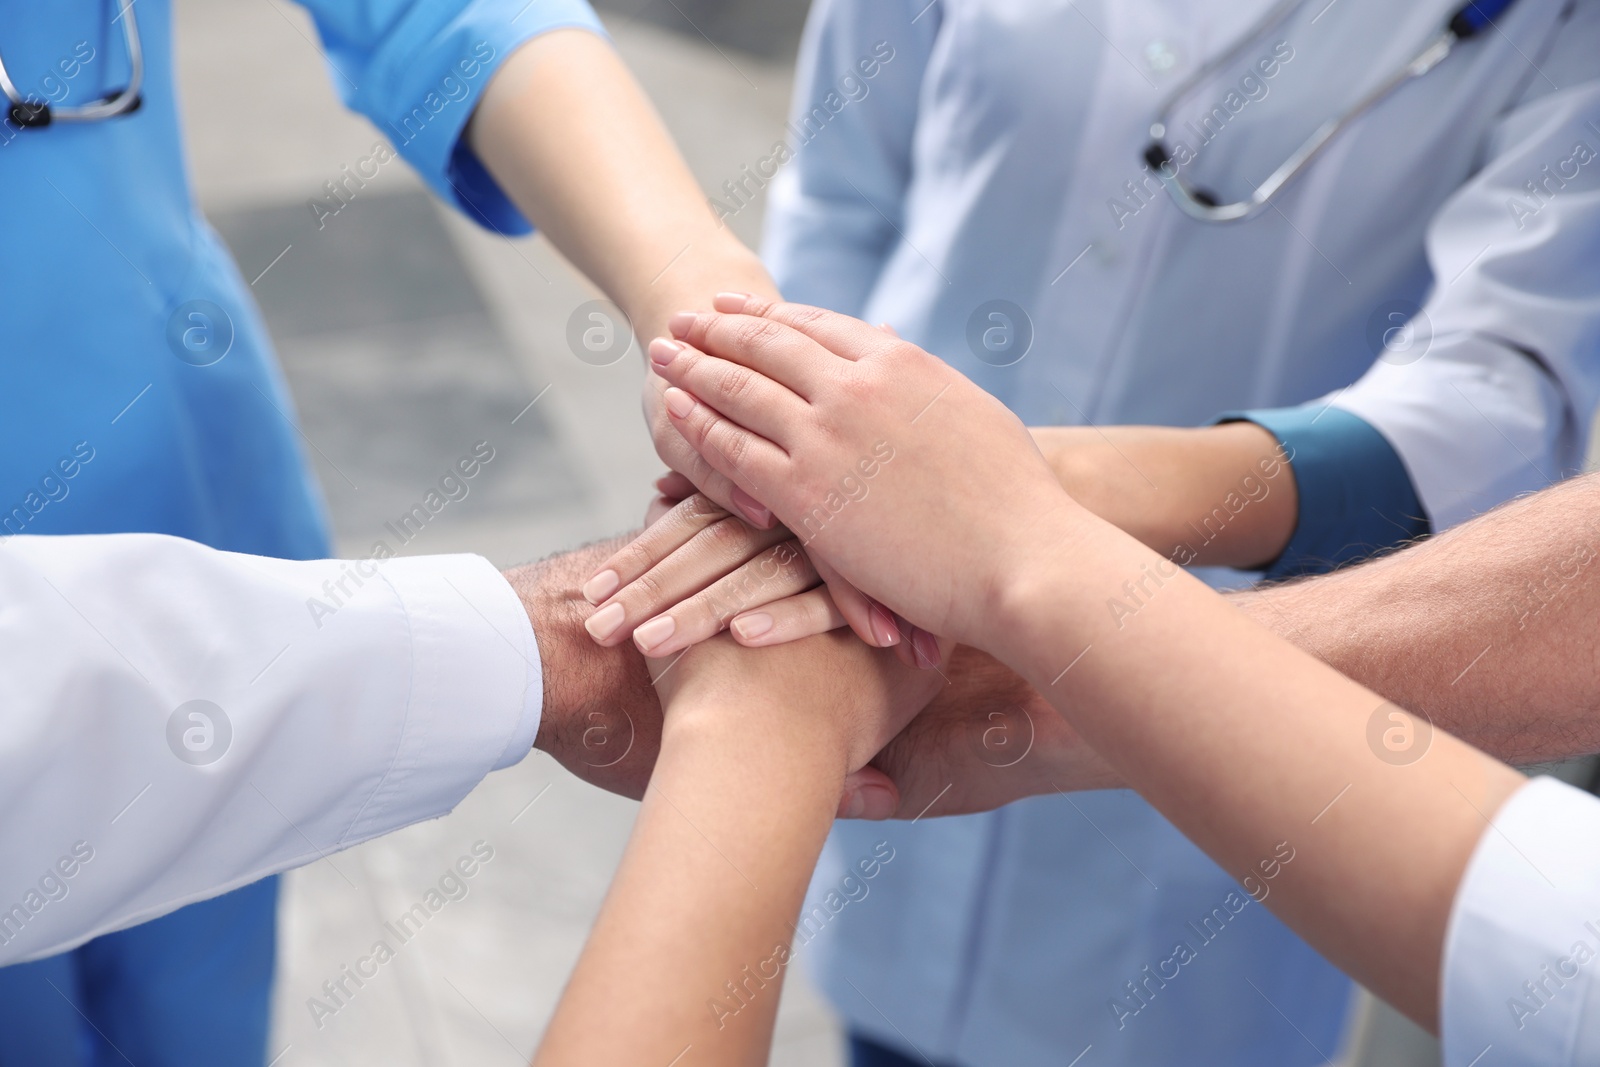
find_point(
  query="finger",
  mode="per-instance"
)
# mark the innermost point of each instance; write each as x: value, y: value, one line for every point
x: 790, y: 619
x: 674, y: 486
x: 775, y: 575
x: 747, y: 459
x: 840, y: 334
x: 658, y: 507
x: 659, y: 541
x: 769, y: 347
x: 709, y: 555
x: 869, y: 794
x: 871, y: 622
x: 739, y: 392
x: 678, y: 454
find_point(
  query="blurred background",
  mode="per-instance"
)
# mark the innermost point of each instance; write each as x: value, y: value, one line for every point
x: 410, y: 335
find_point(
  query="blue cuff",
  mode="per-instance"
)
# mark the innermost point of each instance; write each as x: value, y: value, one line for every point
x: 420, y: 76
x: 1356, y: 498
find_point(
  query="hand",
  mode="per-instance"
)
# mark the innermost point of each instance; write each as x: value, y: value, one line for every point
x: 601, y: 718
x: 985, y: 741
x: 697, y: 570
x: 829, y: 691
x: 808, y: 411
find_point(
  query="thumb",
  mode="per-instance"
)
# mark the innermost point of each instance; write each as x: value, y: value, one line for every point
x: 869, y: 794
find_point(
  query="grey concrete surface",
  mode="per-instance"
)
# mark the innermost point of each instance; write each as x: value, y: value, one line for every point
x: 408, y: 334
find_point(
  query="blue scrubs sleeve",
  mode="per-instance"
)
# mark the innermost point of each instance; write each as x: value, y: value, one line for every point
x: 417, y: 69
x: 1356, y: 497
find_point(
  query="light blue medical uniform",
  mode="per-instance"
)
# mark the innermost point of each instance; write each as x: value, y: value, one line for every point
x: 971, y: 173
x: 138, y: 392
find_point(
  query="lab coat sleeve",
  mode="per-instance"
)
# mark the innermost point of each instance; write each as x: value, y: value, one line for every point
x: 1501, y: 399
x: 836, y: 206
x: 417, y: 69
x: 1521, y: 969
x: 180, y: 721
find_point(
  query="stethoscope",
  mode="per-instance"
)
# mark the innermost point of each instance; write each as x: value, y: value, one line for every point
x: 35, y: 114
x: 1198, y: 203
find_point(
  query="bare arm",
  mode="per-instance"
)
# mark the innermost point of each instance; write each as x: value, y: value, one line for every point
x: 692, y: 944
x: 568, y: 133
x: 1488, y: 629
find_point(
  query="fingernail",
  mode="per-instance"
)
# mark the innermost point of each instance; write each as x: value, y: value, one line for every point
x: 663, y: 351
x: 751, y: 508
x: 883, y: 627
x: 853, y: 805
x: 679, y: 402
x: 654, y: 632
x: 927, y: 649
x: 681, y: 323
x: 875, y: 803
x: 730, y: 303
x: 601, y: 586
x: 603, y: 623
x: 750, y: 627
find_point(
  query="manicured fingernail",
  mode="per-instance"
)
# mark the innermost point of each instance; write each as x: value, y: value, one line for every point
x: 603, y: 623
x: 751, y: 508
x: 926, y: 648
x: 663, y: 351
x: 681, y: 323
x: 877, y: 803
x: 652, y: 633
x: 749, y: 627
x: 883, y: 627
x: 601, y: 586
x: 852, y: 805
x: 730, y: 303
x: 679, y: 402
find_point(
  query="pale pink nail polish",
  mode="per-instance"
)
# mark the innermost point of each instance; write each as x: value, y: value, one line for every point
x: 730, y: 303
x: 663, y: 351
x: 752, y: 509
x: 749, y: 627
x: 883, y: 627
x: 927, y: 649
x: 681, y: 323
x: 679, y: 402
x: 601, y: 586
x: 652, y: 633
x: 603, y: 623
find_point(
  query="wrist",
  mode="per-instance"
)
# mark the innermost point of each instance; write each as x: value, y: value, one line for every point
x: 600, y: 718
x: 722, y: 265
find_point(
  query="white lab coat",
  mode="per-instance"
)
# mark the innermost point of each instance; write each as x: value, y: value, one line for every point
x: 121, y: 800
x: 968, y: 151
x: 1522, y: 950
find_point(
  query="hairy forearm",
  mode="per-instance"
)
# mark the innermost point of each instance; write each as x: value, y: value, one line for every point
x: 568, y: 133
x: 1488, y: 628
x: 1214, y: 496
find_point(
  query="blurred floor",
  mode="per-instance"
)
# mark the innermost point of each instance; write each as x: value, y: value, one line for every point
x: 409, y: 336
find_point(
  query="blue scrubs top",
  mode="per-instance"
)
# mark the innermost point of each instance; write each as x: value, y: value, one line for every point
x: 137, y: 386
x: 138, y: 393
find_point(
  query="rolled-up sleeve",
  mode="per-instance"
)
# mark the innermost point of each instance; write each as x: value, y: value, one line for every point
x: 417, y: 69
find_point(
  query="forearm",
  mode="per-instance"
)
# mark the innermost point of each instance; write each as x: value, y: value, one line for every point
x: 692, y: 945
x: 568, y: 133
x: 1214, y: 496
x: 1252, y: 748
x: 1487, y: 629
